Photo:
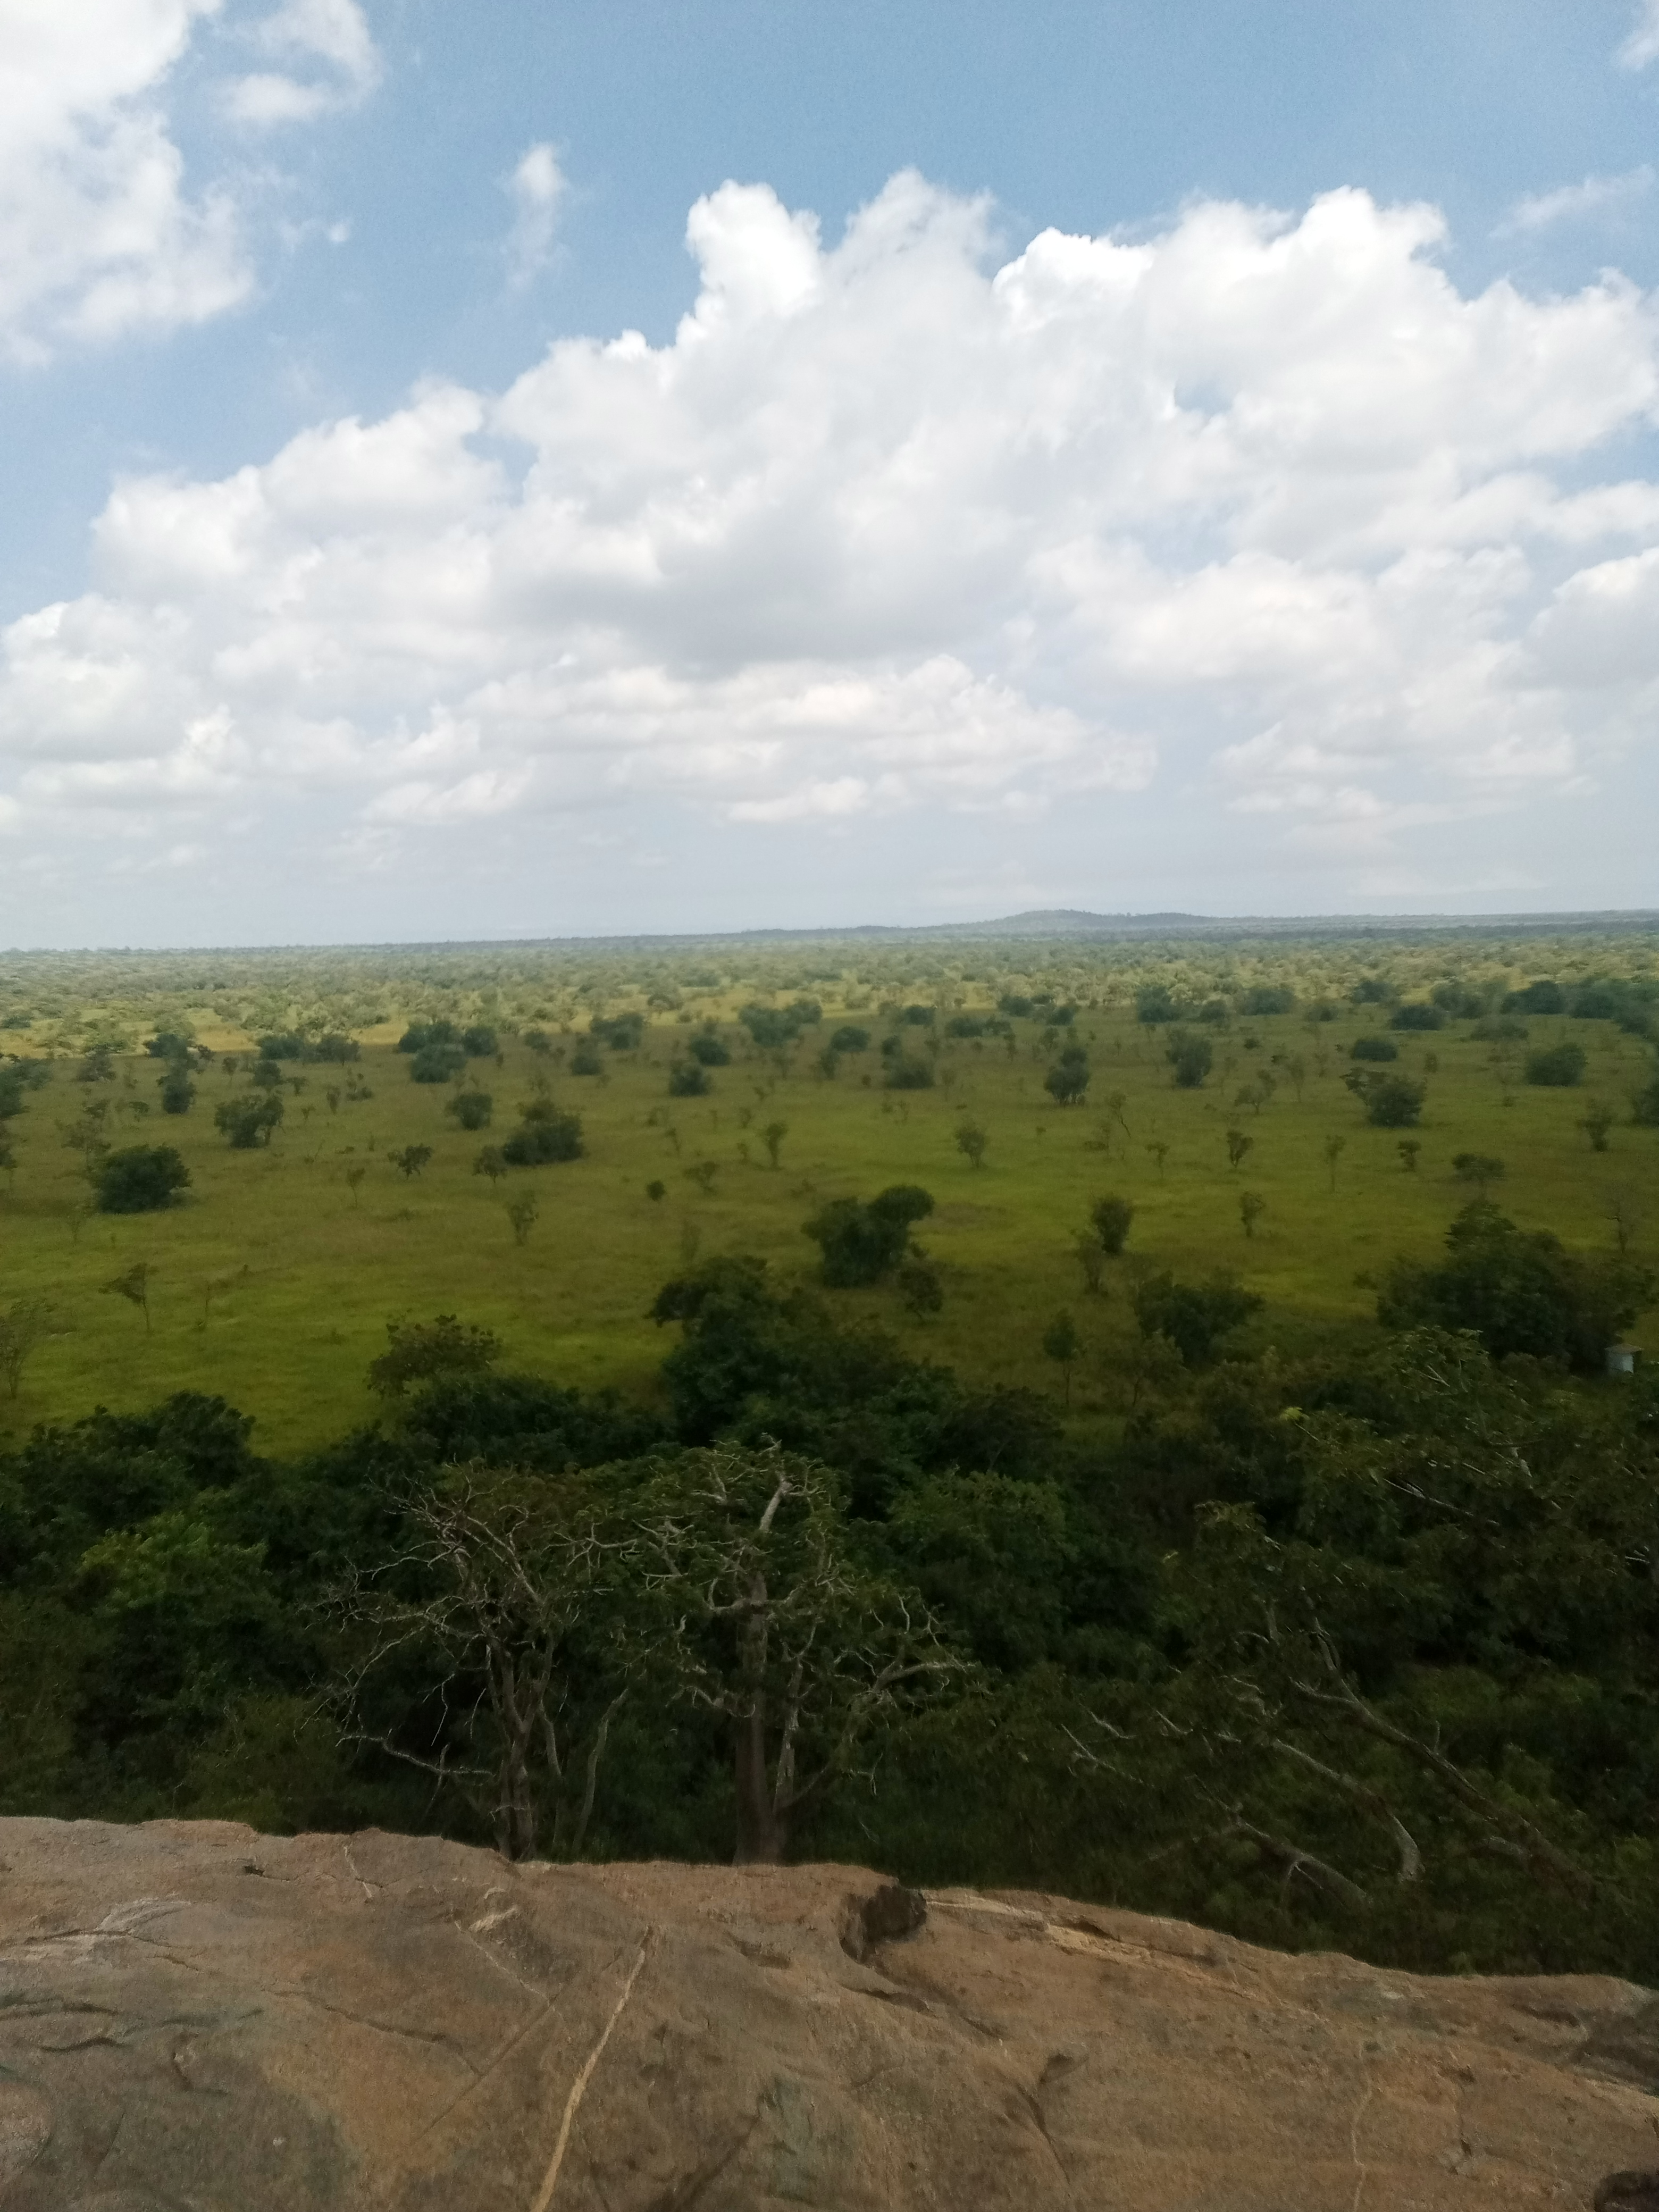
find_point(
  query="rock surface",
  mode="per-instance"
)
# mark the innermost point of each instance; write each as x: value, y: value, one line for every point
x: 195, y: 2018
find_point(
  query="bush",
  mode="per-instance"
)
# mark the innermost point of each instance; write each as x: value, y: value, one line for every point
x: 904, y: 1074
x: 423, y: 1351
x: 472, y: 1109
x: 585, y: 1061
x: 1068, y: 1078
x: 1546, y: 996
x: 1394, y: 1102
x: 1519, y: 1290
x: 1418, y: 1014
x: 436, y: 1063
x: 1111, y: 1218
x: 773, y: 1027
x: 861, y: 1242
x: 1644, y: 1106
x: 1373, y: 1048
x: 621, y: 1032
x: 1193, y: 1316
x: 709, y: 1050
x: 1267, y: 999
x: 1480, y: 1168
x: 1558, y: 1067
x: 849, y: 1037
x: 689, y: 1080
x: 247, y: 1122
x: 1371, y: 991
x: 1192, y: 1059
x: 479, y: 1042
x: 544, y: 1134
x: 177, y: 1092
x: 420, y: 1035
x: 141, y: 1179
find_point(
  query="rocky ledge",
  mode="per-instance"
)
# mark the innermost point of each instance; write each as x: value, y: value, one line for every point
x: 195, y: 2018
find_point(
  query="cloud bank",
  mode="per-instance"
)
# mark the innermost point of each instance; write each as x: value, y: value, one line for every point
x: 1261, y: 507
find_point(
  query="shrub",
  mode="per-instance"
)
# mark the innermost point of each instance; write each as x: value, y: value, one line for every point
x: 1193, y: 1316
x: 1644, y: 1106
x: 1394, y: 1102
x: 1558, y: 1067
x: 773, y: 1027
x: 1068, y: 1078
x: 585, y: 1061
x: 849, y: 1037
x: 689, y: 1080
x: 1518, y: 1290
x: 422, y: 1351
x: 1192, y: 1059
x: 472, y: 1109
x: 1371, y: 991
x: 479, y: 1042
x: 1111, y: 1218
x: 141, y: 1178
x: 905, y: 1074
x: 177, y: 1092
x: 1418, y: 1014
x: 1480, y: 1168
x: 1545, y: 996
x: 1267, y: 999
x: 246, y: 1121
x: 420, y: 1035
x: 709, y: 1050
x: 544, y: 1134
x: 1374, y: 1047
x: 861, y: 1242
x: 621, y: 1032
x: 436, y: 1063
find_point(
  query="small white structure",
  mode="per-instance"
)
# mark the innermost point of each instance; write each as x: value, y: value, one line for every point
x: 1622, y: 1358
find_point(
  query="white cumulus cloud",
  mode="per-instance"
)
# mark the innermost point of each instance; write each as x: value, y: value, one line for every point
x: 536, y: 188
x: 330, y: 63
x: 1261, y: 510
x: 98, y: 235
x: 1642, y: 45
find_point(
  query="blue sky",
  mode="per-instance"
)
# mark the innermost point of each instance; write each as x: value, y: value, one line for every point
x: 1113, y: 456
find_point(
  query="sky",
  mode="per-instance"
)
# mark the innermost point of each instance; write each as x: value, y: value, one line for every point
x: 517, y: 468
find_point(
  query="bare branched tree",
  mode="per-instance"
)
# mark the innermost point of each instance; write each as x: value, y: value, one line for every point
x: 501, y: 1600
x: 768, y: 1621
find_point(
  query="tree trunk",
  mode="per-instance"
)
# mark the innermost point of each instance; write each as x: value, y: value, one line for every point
x: 762, y: 1837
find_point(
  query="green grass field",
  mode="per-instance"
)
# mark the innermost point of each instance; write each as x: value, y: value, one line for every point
x: 273, y: 1281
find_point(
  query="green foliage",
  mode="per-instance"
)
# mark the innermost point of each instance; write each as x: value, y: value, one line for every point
x: 247, y: 1122
x: 1192, y: 1059
x: 419, y: 1352
x: 545, y: 1134
x: 621, y: 1032
x: 1558, y: 1067
x: 1395, y: 1102
x: 1418, y: 1014
x: 1193, y: 1316
x: 1373, y: 1048
x: 1111, y: 1217
x: 1518, y: 1290
x: 849, y: 1037
x: 436, y: 1063
x: 1068, y: 1078
x: 472, y: 1109
x: 177, y: 1092
x: 1267, y: 999
x: 710, y: 1049
x: 689, y: 1080
x: 139, y: 1179
x: 409, y: 1160
x: 862, y: 1241
x: 1478, y: 1168
x: 585, y: 1060
x: 774, y: 1027
x: 905, y: 1074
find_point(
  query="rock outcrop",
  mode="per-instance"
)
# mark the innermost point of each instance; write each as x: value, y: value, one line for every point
x: 195, y: 2018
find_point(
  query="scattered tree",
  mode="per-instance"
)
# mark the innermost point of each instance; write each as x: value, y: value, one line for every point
x: 411, y: 1160
x: 863, y: 1242
x: 521, y: 1211
x: 25, y: 1325
x: 247, y: 1122
x: 1237, y: 1144
x: 1597, y: 1123
x: 1558, y: 1067
x: 1333, y: 1148
x: 1478, y: 1168
x: 422, y: 1351
x: 921, y: 1285
x: 1251, y: 1207
x: 140, y: 1179
x: 971, y: 1140
x: 1111, y: 1217
x: 492, y: 1162
x: 1192, y: 1059
x: 472, y: 1109
x: 133, y: 1285
x: 1061, y: 1343
x: 772, y: 1137
x: 1409, y: 1148
x: 544, y: 1134
x: 1194, y: 1316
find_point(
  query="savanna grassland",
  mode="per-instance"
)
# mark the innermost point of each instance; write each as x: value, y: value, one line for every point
x: 272, y: 1279
x: 1118, y: 1417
